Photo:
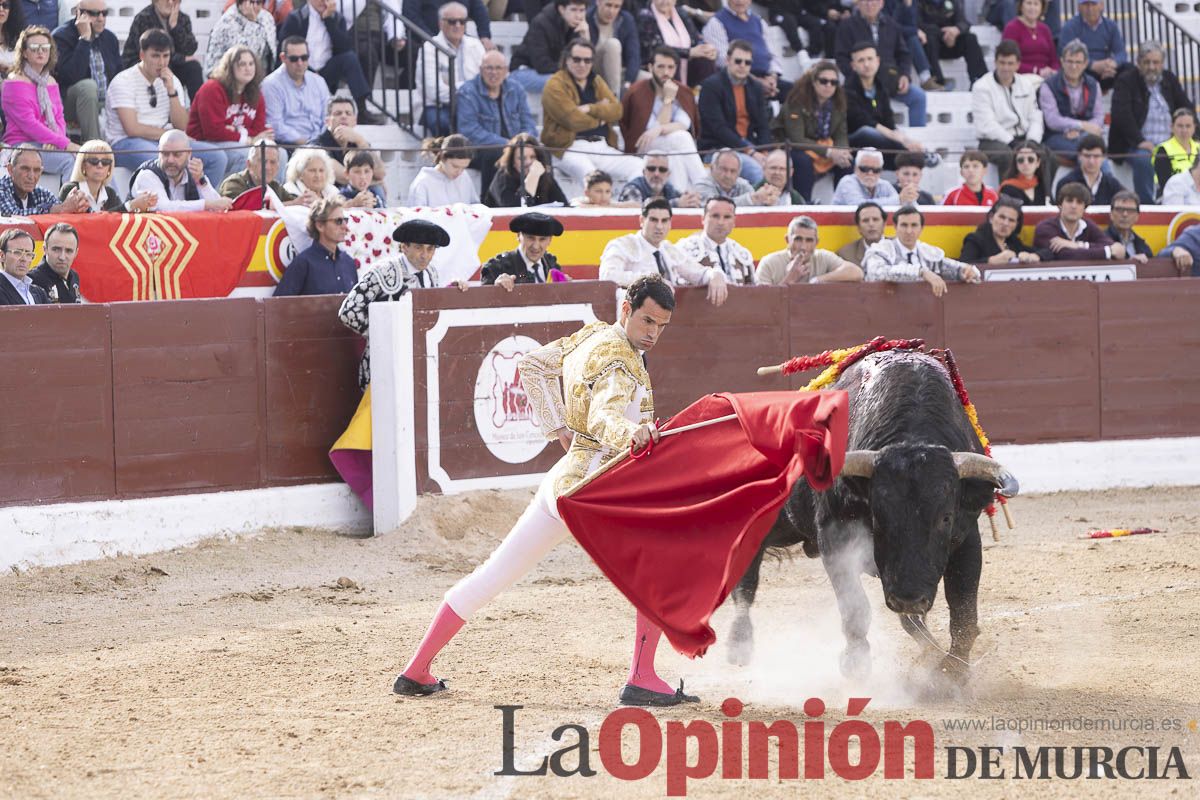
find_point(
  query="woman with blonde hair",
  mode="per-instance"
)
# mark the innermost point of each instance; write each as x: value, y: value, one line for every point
x: 229, y: 108
x: 32, y: 102
x: 91, y: 175
x: 447, y: 181
x: 311, y: 171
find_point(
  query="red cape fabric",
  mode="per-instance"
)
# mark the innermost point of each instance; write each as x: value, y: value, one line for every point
x: 675, y: 531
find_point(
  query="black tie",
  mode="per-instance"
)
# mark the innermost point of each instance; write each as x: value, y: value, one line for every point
x: 721, y: 260
x: 538, y: 275
x: 662, y: 265
x: 421, y: 278
x: 910, y: 255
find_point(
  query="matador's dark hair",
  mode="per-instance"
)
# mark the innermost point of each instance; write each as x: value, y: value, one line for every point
x: 652, y: 287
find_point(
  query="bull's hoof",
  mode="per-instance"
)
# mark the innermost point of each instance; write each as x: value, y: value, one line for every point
x: 856, y: 662
x: 955, y: 670
x: 741, y: 645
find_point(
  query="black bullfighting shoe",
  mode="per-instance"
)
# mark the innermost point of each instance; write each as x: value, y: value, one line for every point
x: 407, y: 686
x: 637, y: 696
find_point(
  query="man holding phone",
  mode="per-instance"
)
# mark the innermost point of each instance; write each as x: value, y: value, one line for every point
x: 89, y: 57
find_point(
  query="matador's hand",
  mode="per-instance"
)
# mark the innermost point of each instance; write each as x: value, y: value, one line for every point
x: 644, y: 435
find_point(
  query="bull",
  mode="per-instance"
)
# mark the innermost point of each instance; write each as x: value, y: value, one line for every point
x: 905, y: 509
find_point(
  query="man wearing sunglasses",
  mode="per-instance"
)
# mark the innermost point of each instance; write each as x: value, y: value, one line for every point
x: 331, y: 51
x: 655, y: 181
x: 734, y: 113
x: 323, y: 267
x: 296, y: 98
x: 549, y: 33
x: 433, y: 68
x: 89, y: 57
x: 864, y: 183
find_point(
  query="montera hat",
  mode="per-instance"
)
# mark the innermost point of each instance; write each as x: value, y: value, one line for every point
x: 535, y: 223
x: 419, y: 231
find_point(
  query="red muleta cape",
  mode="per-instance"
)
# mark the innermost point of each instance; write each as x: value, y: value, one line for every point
x: 675, y: 531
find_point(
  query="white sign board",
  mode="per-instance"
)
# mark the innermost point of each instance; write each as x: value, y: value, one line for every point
x: 1102, y: 273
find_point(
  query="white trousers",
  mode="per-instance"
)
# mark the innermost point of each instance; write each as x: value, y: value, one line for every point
x: 686, y: 167
x: 582, y: 157
x: 534, y: 535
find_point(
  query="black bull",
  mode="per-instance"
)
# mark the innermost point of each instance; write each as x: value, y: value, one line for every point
x: 910, y: 495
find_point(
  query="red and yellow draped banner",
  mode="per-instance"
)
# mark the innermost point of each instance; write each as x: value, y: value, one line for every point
x: 160, y: 256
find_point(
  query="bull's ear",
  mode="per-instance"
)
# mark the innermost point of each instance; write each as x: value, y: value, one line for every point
x: 980, y: 467
x: 859, y: 464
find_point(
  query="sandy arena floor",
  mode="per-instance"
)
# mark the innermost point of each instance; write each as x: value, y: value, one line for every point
x: 262, y: 667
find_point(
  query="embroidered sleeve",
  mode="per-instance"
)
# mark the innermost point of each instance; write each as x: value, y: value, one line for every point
x: 353, y: 312
x: 612, y: 393
x: 540, y: 372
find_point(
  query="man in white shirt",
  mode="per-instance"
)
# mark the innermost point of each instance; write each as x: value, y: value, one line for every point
x: 177, y: 179
x: 627, y: 258
x: 906, y: 259
x: 1004, y: 107
x: 433, y: 67
x: 712, y: 247
x: 143, y: 102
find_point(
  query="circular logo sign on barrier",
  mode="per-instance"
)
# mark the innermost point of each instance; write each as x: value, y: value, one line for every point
x: 279, y: 250
x: 502, y: 413
x: 1180, y: 223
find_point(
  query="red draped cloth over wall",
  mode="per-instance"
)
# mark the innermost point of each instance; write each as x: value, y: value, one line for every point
x: 160, y: 256
x: 675, y: 530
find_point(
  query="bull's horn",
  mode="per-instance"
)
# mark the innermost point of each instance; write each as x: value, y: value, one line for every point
x: 859, y: 464
x: 974, y: 465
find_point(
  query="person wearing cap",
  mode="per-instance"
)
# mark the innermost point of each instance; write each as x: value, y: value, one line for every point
x: 530, y: 262
x: 392, y: 277
x: 323, y: 267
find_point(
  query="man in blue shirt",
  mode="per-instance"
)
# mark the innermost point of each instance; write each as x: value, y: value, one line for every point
x: 1106, y: 46
x: 492, y: 109
x: 323, y: 268
x: 16, y: 287
x: 1185, y: 252
x: 295, y: 98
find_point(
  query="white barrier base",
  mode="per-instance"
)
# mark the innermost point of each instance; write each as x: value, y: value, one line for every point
x: 70, y: 532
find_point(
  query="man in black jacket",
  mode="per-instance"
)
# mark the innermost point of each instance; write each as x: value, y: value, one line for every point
x: 868, y: 23
x: 331, y: 51
x: 1136, y: 131
x: 718, y: 104
x: 16, y: 254
x: 530, y: 262
x: 54, y: 274
x: 1124, y: 212
x: 948, y: 35
x: 869, y: 117
x: 549, y: 33
x: 80, y: 73
x: 1091, y: 172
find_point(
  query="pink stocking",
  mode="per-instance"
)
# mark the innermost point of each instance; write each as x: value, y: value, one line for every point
x: 443, y: 628
x: 641, y: 670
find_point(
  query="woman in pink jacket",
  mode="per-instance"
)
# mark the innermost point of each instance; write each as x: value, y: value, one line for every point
x: 32, y: 103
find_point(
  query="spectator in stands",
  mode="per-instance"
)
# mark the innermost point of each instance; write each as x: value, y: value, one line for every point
x: 660, y: 24
x: 736, y: 22
x: 33, y: 106
x: 802, y: 261
x: 295, y: 98
x: 1027, y: 179
x: 711, y: 246
x: 331, y: 51
x: 1123, y: 215
x: 143, y: 102
x: 947, y: 34
x: 1070, y: 103
x: 251, y: 177
x: 340, y: 134
x: 546, y: 40
x: 869, y: 219
x: 910, y: 170
x: 16, y: 287
x: 20, y: 195
x: 1090, y: 171
x: 906, y: 15
x: 1038, y: 53
x: 523, y: 176
x: 865, y: 182
x: 972, y: 166
x: 813, y: 121
x: 723, y: 181
x: 89, y: 57
x: 627, y: 258
x: 92, y: 176
x: 12, y: 22
x: 1105, y: 44
x: 360, y: 189
x: 447, y: 181
x: 906, y: 259
x: 597, y: 190
x: 1004, y: 107
x: 60, y: 246
x: 492, y: 108
x: 1180, y: 152
x: 658, y: 116
x: 868, y: 107
x: 998, y: 240
x: 311, y: 170
x: 1070, y: 235
x: 531, y: 262
x: 655, y: 181
x: 426, y: 14
x: 734, y: 111
x: 323, y: 267
x: 579, y: 111
x: 1183, y: 188
x: 777, y: 174
x: 434, y: 68
x: 818, y: 18
x: 176, y: 179
x: 1184, y: 251
x: 278, y: 9
x: 229, y: 108
x: 165, y: 15
x: 1002, y: 12
x: 245, y: 24
x: 39, y: 12
x: 613, y: 32
x: 1146, y: 98
x: 867, y: 24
